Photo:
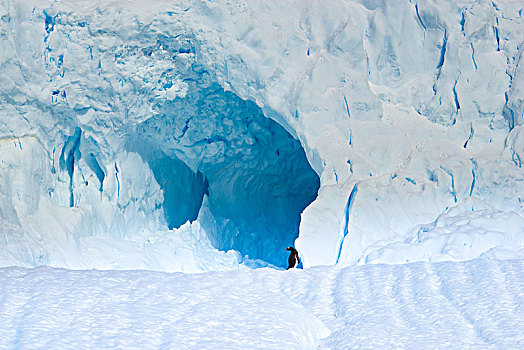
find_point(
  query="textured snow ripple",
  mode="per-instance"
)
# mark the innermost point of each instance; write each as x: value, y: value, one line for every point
x: 467, y: 305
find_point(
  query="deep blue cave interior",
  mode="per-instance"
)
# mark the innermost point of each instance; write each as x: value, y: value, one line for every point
x: 183, y: 189
x: 255, y: 174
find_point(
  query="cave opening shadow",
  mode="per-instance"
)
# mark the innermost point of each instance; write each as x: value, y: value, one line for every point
x: 255, y: 175
x: 257, y: 204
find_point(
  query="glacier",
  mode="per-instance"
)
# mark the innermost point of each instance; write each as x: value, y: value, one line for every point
x: 209, y: 135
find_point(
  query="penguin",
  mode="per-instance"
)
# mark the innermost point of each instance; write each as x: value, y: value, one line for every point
x: 293, y: 259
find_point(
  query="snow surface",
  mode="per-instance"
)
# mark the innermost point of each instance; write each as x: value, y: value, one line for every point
x: 477, y: 304
x: 411, y: 114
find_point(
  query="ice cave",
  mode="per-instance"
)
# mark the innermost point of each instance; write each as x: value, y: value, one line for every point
x: 253, y: 173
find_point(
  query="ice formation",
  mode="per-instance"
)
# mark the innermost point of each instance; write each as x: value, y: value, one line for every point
x: 188, y: 135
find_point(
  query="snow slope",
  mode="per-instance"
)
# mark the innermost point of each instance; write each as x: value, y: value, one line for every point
x: 122, y: 120
x: 477, y: 304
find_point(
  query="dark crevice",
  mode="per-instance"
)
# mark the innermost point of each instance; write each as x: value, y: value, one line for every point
x: 117, y: 181
x: 455, y: 96
x: 347, y: 107
x: 183, y: 188
x: 49, y: 24
x: 508, y: 114
x: 516, y: 159
x: 496, y: 31
x: 443, y: 50
x: 347, y: 213
x: 452, y: 191
x: 419, y: 18
x: 410, y: 180
x: 507, y: 111
x: 70, y: 153
x: 441, y: 60
x: 474, y: 175
x: 473, y: 55
x: 95, y: 167
x: 470, y: 135
x: 432, y: 176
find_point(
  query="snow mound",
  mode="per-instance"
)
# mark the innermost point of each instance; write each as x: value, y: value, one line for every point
x: 456, y: 237
x: 475, y: 304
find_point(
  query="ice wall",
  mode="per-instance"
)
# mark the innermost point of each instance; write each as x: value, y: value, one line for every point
x: 411, y: 113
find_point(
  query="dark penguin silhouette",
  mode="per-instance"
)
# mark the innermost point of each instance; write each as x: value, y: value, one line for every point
x: 293, y: 259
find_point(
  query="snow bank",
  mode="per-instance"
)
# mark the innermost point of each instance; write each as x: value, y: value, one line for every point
x: 101, y: 101
x: 455, y: 237
x: 475, y: 304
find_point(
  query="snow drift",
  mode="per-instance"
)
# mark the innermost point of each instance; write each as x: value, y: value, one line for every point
x: 186, y: 136
x: 476, y: 304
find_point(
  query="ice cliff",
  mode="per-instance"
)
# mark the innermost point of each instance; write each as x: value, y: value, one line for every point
x: 187, y: 135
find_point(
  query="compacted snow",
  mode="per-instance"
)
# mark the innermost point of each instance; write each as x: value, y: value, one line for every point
x: 477, y: 304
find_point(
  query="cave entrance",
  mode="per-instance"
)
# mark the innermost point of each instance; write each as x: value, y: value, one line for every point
x: 212, y: 149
